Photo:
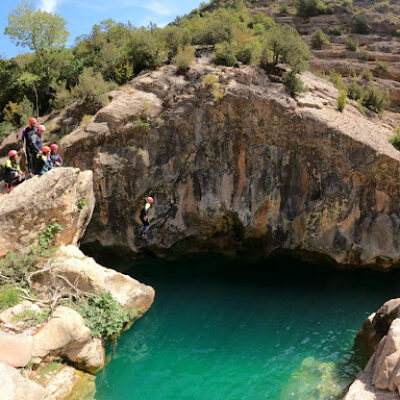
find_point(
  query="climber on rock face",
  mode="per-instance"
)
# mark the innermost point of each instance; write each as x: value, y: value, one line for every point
x: 25, y: 139
x: 43, y: 164
x: 54, y: 158
x: 144, y: 216
x: 13, y: 175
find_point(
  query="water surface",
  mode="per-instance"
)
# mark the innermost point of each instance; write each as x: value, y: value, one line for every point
x: 241, y: 328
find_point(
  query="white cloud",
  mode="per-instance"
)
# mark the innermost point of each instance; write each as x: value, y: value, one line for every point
x: 49, y: 5
x: 157, y: 8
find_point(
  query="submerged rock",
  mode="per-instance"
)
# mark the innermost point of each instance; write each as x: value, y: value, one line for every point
x: 255, y: 170
x: 315, y: 380
x: 33, y: 205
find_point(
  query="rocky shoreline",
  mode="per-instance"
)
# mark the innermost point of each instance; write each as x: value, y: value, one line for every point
x: 57, y: 355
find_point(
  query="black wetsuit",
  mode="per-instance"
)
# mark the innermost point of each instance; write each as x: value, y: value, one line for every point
x: 35, y: 145
x: 13, y: 175
x: 26, y: 137
x: 144, y: 217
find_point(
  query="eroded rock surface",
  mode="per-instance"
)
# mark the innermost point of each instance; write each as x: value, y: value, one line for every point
x: 92, y: 277
x: 256, y: 169
x: 33, y: 205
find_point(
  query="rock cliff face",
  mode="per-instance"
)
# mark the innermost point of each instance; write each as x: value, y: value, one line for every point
x: 238, y: 165
x: 30, y: 207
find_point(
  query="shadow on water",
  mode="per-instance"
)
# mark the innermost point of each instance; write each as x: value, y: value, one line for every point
x: 242, y: 328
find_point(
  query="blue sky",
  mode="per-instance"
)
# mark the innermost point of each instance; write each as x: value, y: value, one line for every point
x: 81, y: 15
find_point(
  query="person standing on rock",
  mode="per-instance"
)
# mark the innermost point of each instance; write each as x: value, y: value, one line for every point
x: 35, y: 145
x: 54, y: 158
x: 25, y: 137
x: 13, y: 174
x: 144, y: 216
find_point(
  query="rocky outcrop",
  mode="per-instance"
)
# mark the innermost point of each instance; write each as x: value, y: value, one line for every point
x: 91, y: 277
x: 66, y: 335
x: 33, y: 205
x: 13, y: 386
x: 255, y: 169
x: 379, y: 338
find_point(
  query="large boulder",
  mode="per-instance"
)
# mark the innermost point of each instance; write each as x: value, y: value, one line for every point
x: 21, y: 345
x: 66, y: 335
x: 64, y: 195
x: 255, y: 169
x: 91, y: 277
x: 13, y: 386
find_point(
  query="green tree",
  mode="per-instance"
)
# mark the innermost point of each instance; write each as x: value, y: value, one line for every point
x: 27, y: 79
x: 38, y: 30
x: 318, y: 39
x: 283, y: 44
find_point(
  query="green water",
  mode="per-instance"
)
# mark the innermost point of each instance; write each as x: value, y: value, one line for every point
x: 238, y: 328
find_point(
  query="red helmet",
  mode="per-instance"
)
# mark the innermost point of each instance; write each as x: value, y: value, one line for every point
x: 12, y: 153
x: 149, y: 199
x: 54, y: 147
x: 45, y: 149
x: 41, y: 128
x: 32, y: 121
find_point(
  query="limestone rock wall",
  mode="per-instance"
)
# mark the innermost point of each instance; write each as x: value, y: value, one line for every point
x: 33, y: 205
x: 255, y: 168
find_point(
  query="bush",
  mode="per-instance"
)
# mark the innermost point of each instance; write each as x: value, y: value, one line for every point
x: 342, y: 100
x: 310, y: 8
x: 224, y: 55
x: 5, y: 129
x: 364, y: 55
x: 395, y: 139
x: 92, y: 87
x: 354, y: 91
x: 348, y: 5
x: 336, y: 79
x: 293, y: 84
x: 335, y: 31
x: 366, y: 74
x: 351, y: 44
x: 105, y: 316
x: 184, y: 58
x: 31, y: 317
x: 382, y: 6
x: 209, y: 80
x: 375, y: 99
x: 249, y: 52
x: 382, y: 65
x: 25, y: 111
x: 8, y: 297
x: 361, y: 24
x: 352, y: 72
x: 318, y: 39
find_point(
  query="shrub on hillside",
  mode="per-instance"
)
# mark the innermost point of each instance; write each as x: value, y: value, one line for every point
x: 382, y: 65
x: 183, y: 58
x: 293, y: 84
x: 318, y: 39
x: 352, y: 72
x: 366, y: 74
x: 310, y: 8
x: 375, y: 99
x: 395, y: 139
x: 224, y: 54
x: 249, y: 51
x: 336, y: 79
x: 347, y: 5
x: 342, y: 100
x: 335, y: 31
x: 5, y: 129
x: 351, y: 44
x: 361, y: 24
x: 354, y: 91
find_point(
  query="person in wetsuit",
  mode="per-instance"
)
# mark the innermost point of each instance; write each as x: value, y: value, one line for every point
x: 54, y: 158
x: 35, y: 145
x: 144, y: 216
x: 25, y: 137
x: 13, y: 174
x: 43, y: 164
